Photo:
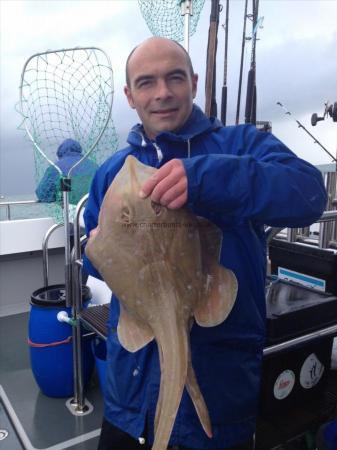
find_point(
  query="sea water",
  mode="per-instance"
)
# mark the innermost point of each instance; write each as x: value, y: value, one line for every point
x: 17, y: 211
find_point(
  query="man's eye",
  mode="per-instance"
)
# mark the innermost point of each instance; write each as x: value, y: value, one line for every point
x: 177, y: 78
x: 144, y: 83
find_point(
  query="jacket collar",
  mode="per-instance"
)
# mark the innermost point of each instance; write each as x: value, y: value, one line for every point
x: 195, y: 125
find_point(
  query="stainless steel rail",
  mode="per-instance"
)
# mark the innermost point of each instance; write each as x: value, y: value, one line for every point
x: 327, y: 216
x: 7, y: 205
x: 272, y: 349
x: 45, y: 260
x: 78, y: 402
x: 75, y: 301
x: 328, y: 231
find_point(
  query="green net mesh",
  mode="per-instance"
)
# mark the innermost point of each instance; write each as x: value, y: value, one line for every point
x: 67, y: 94
x: 164, y: 17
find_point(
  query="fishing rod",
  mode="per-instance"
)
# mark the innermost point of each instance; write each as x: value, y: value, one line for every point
x: 250, y: 111
x: 241, y: 63
x: 224, y: 86
x: 308, y: 132
x: 211, y: 106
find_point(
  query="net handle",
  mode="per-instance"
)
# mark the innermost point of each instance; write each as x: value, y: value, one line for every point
x: 187, y: 12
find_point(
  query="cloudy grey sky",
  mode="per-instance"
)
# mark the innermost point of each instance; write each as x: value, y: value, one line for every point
x: 296, y: 65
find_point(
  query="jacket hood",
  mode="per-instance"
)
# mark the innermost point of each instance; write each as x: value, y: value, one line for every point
x: 196, y: 124
x: 67, y: 147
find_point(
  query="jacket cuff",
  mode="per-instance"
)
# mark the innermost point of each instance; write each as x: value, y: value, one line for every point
x: 192, y: 185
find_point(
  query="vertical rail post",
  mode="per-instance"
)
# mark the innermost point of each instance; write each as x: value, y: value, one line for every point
x: 78, y: 401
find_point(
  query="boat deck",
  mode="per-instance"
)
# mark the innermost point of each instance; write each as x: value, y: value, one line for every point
x: 37, y: 422
x: 34, y: 421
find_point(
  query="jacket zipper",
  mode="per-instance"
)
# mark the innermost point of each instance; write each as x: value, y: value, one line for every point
x: 160, y: 153
x: 158, y: 150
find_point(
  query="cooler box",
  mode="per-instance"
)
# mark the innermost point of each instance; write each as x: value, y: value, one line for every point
x: 292, y: 377
x: 309, y: 265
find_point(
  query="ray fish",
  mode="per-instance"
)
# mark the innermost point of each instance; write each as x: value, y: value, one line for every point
x: 163, y: 266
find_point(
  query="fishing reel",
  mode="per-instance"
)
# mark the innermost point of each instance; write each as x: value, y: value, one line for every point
x: 329, y: 110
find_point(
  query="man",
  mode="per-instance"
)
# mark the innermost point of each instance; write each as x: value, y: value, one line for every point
x: 68, y: 154
x: 240, y: 179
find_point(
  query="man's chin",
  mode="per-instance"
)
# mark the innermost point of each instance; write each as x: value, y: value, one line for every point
x: 169, y: 125
x: 165, y: 124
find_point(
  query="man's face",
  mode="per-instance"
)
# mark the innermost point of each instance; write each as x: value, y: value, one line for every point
x: 161, y: 88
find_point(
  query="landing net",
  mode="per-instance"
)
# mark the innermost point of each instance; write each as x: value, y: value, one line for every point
x: 165, y: 18
x: 67, y: 94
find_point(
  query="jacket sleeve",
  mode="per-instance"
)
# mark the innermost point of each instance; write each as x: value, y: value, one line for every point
x: 90, y: 217
x: 100, y: 184
x: 254, y: 176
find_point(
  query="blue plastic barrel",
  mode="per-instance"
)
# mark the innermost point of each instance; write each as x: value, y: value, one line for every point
x: 50, y: 343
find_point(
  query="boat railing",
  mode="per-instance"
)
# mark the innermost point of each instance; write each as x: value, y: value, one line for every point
x: 9, y: 204
x: 76, y: 262
x: 45, y: 258
x: 75, y: 301
x: 323, y: 239
x: 324, y: 236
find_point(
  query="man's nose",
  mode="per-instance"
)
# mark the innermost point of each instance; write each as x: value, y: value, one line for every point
x: 162, y: 90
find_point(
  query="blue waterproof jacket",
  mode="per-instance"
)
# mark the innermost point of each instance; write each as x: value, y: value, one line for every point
x: 68, y: 153
x: 240, y: 179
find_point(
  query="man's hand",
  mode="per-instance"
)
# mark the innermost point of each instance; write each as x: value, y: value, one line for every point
x: 168, y: 186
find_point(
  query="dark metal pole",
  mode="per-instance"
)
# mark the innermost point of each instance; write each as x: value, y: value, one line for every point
x: 224, y: 87
x: 211, y: 106
x: 250, y: 111
x: 241, y: 63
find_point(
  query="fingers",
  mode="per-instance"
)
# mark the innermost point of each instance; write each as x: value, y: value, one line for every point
x: 168, y: 186
x: 178, y: 202
x: 172, y: 194
x: 156, y: 178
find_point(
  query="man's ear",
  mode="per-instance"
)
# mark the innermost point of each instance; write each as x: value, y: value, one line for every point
x: 194, y: 84
x: 127, y: 92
